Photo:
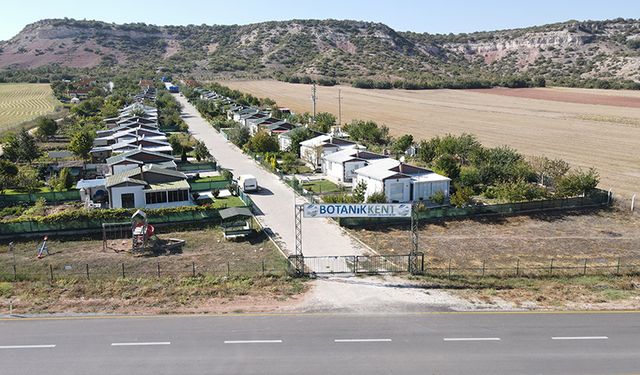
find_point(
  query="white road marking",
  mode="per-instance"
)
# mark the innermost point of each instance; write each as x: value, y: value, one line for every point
x: 26, y: 346
x: 362, y: 340
x: 580, y: 338
x: 140, y: 343
x: 253, y: 342
x: 471, y: 339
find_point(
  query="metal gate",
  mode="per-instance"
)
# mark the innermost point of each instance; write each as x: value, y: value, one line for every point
x: 362, y: 264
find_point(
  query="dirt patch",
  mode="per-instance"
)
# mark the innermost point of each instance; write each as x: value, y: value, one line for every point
x: 563, y: 96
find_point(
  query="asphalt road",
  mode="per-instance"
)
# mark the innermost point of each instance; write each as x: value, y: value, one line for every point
x: 430, y: 343
x: 321, y: 237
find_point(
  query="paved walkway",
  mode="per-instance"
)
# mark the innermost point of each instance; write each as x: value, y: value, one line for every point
x: 321, y: 237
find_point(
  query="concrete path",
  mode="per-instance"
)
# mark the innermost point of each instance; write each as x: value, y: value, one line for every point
x: 429, y: 343
x: 321, y: 237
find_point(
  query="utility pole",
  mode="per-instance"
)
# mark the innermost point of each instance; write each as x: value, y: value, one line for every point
x: 313, y: 99
x: 339, y: 109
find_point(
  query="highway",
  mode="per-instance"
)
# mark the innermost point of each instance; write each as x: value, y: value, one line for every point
x: 420, y: 343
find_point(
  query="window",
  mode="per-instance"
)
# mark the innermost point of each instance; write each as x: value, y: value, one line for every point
x: 178, y: 195
x: 127, y: 200
x: 156, y: 197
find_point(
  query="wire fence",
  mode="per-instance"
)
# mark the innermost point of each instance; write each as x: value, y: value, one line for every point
x: 134, y: 270
x: 50, y: 196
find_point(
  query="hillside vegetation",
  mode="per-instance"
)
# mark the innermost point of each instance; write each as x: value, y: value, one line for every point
x: 590, y: 54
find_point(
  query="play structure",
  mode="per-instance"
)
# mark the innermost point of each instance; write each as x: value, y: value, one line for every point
x: 42, y: 248
x: 137, y: 236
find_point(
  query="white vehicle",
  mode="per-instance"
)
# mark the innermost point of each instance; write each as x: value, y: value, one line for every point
x: 248, y: 182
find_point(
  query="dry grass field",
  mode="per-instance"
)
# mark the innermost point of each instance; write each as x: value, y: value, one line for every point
x: 599, y: 128
x: 22, y: 102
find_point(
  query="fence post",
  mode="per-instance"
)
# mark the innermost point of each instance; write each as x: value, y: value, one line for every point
x: 263, y: 267
x: 618, y: 268
x: 518, y: 267
x: 584, y: 271
x: 15, y: 273
x: 193, y: 268
x: 228, y: 270
x: 123, y: 270
x: 87, y: 270
x: 449, y: 267
x: 158, y: 269
x: 551, y: 268
x: 51, y: 272
x: 483, y: 265
x: 355, y: 264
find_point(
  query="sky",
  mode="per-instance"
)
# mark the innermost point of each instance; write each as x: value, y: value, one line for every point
x: 402, y: 15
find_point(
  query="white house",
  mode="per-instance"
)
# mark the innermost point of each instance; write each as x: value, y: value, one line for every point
x: 149, y: 186
x: 313, y: 150
x: 401, y: 182
x: 340, y: 166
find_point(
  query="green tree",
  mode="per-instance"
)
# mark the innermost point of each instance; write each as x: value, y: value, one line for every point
x: 577, y: 182
x: 181, y: 144
x: 377, y: 197
x: 28, y: 147
x: 289, y: 162
x: 227, y: 174
x: 448, y: 166
x: 438, y: 197
x: 462, y: 197
x: 239, y: 136
x: 8, y: 173
x: 368, y: 132
x: 262, y: 142
x: 65, y: 180
x: 10, y: 147
x: 46, y: 127
x: 201, y: 151
x: 27, y: 179
x: 81, y: 143
x: 298, y: 135
x: 426, y: 151
x: 359, y: 192
x: 323, y: 122
x: 402, y: 144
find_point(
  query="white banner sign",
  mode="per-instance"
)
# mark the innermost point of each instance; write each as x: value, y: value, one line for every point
x: 357, y: 210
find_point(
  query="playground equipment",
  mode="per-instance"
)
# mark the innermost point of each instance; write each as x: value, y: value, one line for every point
x: 42, y: 248
x: 142, y: 235
x: 236, y: 222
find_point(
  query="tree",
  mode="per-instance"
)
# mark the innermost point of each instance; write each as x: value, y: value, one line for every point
x: 323, y: 122
x: 549, y: 171
x: 367, y: 132
x: 298, y: 135
x: 469, y: 176
x: 27, y: 179
x: 181, y: 144
x: 289, y: 162
x: 377, y: 197
x: 239, y: 136
x: 65, y: 180
x: 448, y: 166
x: 10, y: 147
x: 577, y: 183
x: 359, y: 191
x: 402, y: 144
x: 426, y: 151
x: 262, y: 142
x: 46, y: 127
x: 462, y: 197
x: 227, y: 174
x: 81, y: 143
x: 28, y: 146
x: 438, y: 197
x: 201, y: 151
x: 8, y: 173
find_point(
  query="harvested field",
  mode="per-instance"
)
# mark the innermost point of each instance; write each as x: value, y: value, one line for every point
x: 22, y: 102
x: 528, y: 242
x: 606, y: 137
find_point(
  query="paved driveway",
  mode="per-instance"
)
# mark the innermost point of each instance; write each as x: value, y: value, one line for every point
x: 276, y: 200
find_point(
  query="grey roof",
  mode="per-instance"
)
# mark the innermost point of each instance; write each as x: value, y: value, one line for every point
x: 127, y: 176
x: 235, y: 212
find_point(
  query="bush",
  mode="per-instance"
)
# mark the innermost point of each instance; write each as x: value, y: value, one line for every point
x: 377, y: 197
x: 438, y: 197
x: 577, y: 183
x: 339, y: 198
x: 462, y: 197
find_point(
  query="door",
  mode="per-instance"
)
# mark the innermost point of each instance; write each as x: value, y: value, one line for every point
x: 128, y: 200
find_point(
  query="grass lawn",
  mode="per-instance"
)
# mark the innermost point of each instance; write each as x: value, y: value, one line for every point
x: 210, y: 179
x: 321, y: 186
x: 227, y: 202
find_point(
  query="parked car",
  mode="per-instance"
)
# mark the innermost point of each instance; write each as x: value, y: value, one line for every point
x: 248, y: 183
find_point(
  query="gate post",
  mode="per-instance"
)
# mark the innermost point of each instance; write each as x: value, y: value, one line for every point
x: 297, y: 259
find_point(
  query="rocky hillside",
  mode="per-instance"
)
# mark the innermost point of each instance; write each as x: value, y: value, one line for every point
x: 569, y: 53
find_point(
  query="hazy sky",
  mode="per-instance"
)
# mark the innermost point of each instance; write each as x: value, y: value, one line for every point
x: 422, y: 16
